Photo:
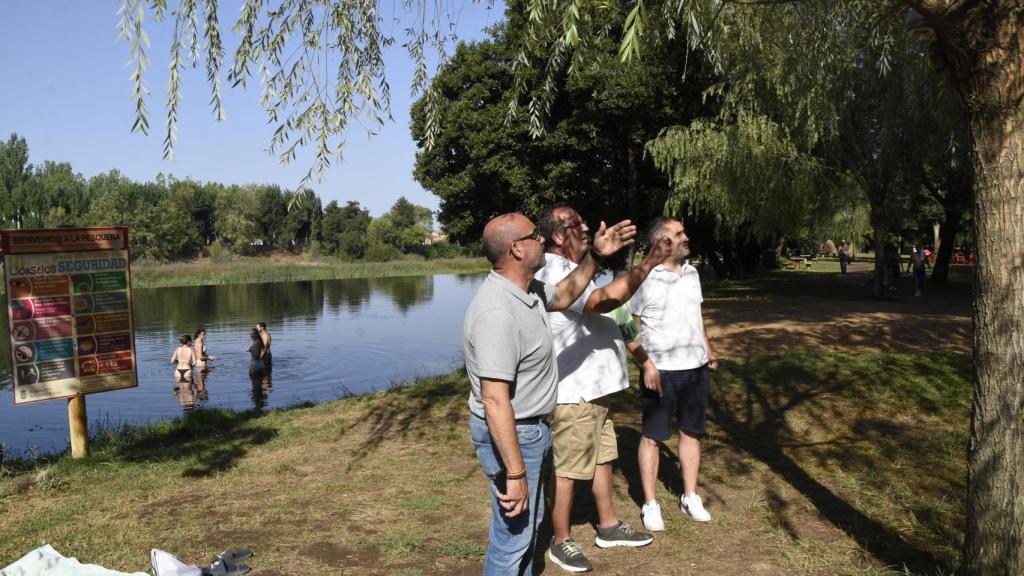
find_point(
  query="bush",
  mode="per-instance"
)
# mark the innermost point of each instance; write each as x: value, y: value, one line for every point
x: 219, y: 253
x: 442, y: 250
x: 473, y: 249
x: 313, y: 249
x: 382, y: 253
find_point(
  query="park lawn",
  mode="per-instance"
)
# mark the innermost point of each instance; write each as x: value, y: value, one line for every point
x: 817, y: 462
x: 242, y: 270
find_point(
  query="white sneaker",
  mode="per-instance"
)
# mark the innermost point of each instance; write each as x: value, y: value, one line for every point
x: 693, y: 506
x: 651, y: 515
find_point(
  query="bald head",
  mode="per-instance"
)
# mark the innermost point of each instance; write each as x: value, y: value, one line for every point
x: 499, y: 234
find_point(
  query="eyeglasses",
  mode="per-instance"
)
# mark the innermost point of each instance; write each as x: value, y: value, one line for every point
x: 531, y: 236
x: 581, y: 225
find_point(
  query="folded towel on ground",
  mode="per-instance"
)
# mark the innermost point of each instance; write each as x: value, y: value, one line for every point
x: 45, y: 561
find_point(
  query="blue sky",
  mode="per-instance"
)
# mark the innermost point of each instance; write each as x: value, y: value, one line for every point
x: 66, y: 90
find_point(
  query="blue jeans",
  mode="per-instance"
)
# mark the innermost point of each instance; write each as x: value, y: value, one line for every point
x: 511, y: 541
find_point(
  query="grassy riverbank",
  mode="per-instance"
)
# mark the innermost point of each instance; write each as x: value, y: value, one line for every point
x: 289, y: 268
x: 838, y: 430
x: 817, y: 463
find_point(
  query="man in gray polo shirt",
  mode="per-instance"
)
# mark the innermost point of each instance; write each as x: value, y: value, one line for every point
x: 511, y: 367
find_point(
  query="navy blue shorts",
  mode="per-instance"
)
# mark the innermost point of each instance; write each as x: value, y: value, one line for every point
x: 684, y: 395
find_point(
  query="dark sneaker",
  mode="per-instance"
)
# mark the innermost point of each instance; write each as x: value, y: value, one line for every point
x: 569, y: 556
x: 621, y: 535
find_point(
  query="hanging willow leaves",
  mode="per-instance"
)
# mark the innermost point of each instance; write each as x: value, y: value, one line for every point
x: 749, y: 173
x: 319, y: 62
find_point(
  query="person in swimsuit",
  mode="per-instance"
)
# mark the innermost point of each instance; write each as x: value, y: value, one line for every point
x: 199, y: 349
x: 256, y: 363
x: 265, y: 338
x: 184, y: 359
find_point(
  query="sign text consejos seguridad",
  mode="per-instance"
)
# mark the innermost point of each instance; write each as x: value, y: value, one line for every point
x: 20, y: 267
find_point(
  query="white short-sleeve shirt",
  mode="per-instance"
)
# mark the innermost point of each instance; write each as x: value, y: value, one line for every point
x: 589, y: 351
x: 671, y: 325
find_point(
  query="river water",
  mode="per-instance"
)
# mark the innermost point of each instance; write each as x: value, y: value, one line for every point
x: 331, y: 338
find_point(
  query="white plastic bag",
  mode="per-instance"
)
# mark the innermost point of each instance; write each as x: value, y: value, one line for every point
x: 165, y: 564
x: 45, y: 561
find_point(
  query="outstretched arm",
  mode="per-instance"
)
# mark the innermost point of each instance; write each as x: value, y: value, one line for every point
x: 618, y: 291
x: 607, y: 241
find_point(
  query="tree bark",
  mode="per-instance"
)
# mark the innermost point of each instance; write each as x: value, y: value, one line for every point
x: 877, y: 285
x: 995, y: 507
x: 982, y: 44
x: 632, y: 197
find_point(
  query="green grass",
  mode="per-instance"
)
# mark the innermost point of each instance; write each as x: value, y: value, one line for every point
x: 258, y: 270
x: 870, y: 446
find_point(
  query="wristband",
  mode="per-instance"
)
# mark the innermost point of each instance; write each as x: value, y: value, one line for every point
x: 595, y: 255
x: 515, y: 475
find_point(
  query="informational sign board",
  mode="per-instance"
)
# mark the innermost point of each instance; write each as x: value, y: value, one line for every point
x: 69, y: 307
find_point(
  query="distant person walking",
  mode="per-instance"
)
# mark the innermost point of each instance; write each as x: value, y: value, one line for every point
x: 590, y: 354
x: 844, y: 257
x: 184, y: 359
x: 668, y: 307
x: 919, y: 265
x: 199, y: 349
x: 510, y: 362
x: 265, y: 337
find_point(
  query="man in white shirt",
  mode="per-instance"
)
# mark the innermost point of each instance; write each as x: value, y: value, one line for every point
x: 667, y: 306
x: 590, y: 354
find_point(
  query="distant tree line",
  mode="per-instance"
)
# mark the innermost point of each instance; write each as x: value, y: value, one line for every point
x: 173, y: 219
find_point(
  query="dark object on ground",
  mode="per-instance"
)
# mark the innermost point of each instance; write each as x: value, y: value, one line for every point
x: 226, y: 564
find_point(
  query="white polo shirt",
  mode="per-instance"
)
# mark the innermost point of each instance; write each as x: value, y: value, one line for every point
x: 589, y: 351
x: 671, y: 325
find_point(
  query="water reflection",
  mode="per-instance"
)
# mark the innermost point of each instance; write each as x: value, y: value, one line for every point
x: 260, y: 381
x: 184, y: 309
x: 404, y: 291
x: 192, y: 394
x: 331, y: 338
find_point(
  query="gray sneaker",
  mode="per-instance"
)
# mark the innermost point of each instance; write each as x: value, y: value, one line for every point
x: 569, y: 556
x: 621, y: 535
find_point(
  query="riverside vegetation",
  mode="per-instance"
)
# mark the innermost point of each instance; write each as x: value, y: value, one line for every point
x: 242, y: 270
x: 838, y: 426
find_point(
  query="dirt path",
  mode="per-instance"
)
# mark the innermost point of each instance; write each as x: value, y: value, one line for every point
x: 833, y: 312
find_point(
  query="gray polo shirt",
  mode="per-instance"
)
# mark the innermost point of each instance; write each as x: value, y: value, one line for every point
x: 506, y: 337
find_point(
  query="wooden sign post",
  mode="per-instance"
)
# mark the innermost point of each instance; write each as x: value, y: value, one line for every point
x: 79, y: 427
x: 69, y: 307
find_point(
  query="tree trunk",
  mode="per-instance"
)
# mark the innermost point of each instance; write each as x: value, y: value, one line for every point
x: 993, y: 88
x: 950, y: 227
x: 633, y: 201
x: 877, y: 285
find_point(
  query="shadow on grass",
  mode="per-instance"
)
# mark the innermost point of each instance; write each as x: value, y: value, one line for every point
x: 205, y: 441
x: 411, y: 410
x: 871, y: 410
x: 847, y: 287
x: 868, y: 439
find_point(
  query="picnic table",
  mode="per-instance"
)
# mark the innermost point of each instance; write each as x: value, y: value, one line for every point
x: 804, y: 260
